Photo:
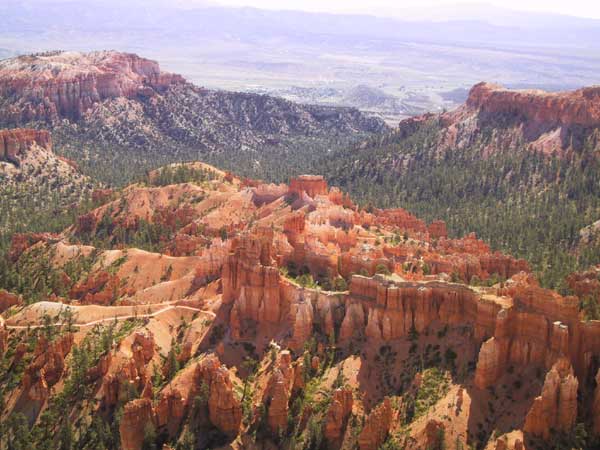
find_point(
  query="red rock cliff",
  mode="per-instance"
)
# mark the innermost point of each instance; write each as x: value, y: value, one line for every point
x: 550, y: 123
x: 66, y: 84
x: 14, y: 143
x: 251, y: 281
x: 581, y: 107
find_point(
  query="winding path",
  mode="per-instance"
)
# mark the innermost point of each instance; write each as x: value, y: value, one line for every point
x: 112, y: 319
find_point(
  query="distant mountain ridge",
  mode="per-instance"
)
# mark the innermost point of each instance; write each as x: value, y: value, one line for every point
x: 253, y: 50
x: 109, y: 106
x: 55, y: 85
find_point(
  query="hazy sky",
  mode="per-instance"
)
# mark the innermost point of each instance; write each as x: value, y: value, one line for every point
x: 581, y: 8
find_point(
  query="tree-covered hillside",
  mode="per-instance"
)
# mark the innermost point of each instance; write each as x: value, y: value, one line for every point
x: 520, y: 201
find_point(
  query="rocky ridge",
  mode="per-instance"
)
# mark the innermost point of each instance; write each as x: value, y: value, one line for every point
x: 119, y: 106
x: 15, y: 143
x: 51, y: 86
x: 551, y: 123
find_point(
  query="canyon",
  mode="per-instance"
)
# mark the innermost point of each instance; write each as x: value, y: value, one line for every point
x: 552, y: 123
x: 227, y: 312
x: 174, y: 304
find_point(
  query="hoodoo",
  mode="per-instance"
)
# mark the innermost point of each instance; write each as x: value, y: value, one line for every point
x: 299, y: 316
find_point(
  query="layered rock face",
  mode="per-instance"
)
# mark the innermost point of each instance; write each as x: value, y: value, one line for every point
x: 123, y: 107
x: 334, y: 241
x: 517, y: 339
x: 278, y: 392
x: 312, y: 185
x: 547, y: 122
x: 14, y: 143
x: 225, y: 410
x: 401, y: 218
x: 67, y: 84
x: 207, y: 380
x: 250, y: 279
x: 548, y: 110
x: 98, y: 289
x: 390, y: 310
x: 131, y: 372
x: 293, y: 319
x: 46, y: 368
x: 550, y: 123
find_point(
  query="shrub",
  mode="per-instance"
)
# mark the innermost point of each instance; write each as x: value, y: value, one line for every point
x: 382, y: 269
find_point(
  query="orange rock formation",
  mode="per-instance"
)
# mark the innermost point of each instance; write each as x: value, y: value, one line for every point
x: 66, y: 84
x: 16, y: 142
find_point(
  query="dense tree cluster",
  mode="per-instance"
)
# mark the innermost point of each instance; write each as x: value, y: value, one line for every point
x: 521, y: 202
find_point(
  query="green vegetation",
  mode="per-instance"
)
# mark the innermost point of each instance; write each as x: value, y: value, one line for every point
x: 11, y: 371
x: 36, y: 212
x: 434, y: 386
x: 290, y: 154
x: 521, y: 202
x: 179, y: 173
x: 36, y: 278
x: 304, y: 278
x: 56, y: 428
x: 590, y: 307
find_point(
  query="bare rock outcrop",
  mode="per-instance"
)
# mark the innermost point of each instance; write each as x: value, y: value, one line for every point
x: 490, y: 363
x: 279, y: 390
x: 16, y: 142
x: 250, y: 279
x: 138, y: 415
x: 549, y: 122
x: 337, y: 414
x: 556, y: 407
x: 7, y: 300
x: 434, y: 434
x: 541, y: 108
x: 437, y: 229
x: 211, y: 382
x: 21, y: 242
x: 377, y: 426
x: 67, y: 84
x: 98, y: 288
x: 312, y: 185
x: 224, y: 408
x: 47, y: 366
x: 170, y: 411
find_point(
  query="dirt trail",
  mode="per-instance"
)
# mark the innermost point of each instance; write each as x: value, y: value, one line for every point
x: 111, y: 319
